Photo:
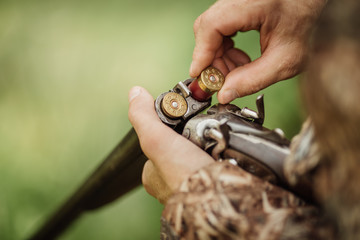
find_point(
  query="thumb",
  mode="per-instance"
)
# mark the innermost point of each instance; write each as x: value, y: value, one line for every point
x: 274, y: 65
x: 167, y: 149
x: 159, y: 142
x: 141, y: 113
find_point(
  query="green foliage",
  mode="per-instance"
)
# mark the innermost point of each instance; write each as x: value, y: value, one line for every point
x: 65, y: 70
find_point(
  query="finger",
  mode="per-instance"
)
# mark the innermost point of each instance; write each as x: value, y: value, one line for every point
x: 237, y: 56
x: 219, y: 63
x: 154, y: 184
x: 212, y: 26
x: 161, y: 143
x: 220, y: 52
x: 204, y: 52
x: 227, y: 44
x: 142, y: 113
x: 262, y: 72
x: 230, y: 64
x: 196, y: 25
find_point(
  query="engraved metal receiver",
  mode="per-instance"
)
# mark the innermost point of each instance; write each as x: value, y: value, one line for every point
x: 226, y: 132
x: 120, y: 171
x: 188, y: 98
x: 230, y: 133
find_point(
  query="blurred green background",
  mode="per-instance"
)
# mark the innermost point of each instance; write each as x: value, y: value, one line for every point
x: 65, y: 70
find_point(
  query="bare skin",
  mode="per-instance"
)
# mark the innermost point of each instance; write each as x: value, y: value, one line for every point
x: 170, y: 164
x: 284, y: 28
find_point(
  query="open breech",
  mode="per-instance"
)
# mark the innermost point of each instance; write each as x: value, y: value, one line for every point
x: 226, y: 132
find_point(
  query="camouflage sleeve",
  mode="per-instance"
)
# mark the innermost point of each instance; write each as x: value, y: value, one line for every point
x: 222, y: 201
x: 304, y: 157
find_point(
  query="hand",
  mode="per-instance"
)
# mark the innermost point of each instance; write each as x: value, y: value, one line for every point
x: 173, y: 157
x: 284, y: 28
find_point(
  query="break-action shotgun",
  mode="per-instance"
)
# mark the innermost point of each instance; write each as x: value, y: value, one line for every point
x: 226, y: 132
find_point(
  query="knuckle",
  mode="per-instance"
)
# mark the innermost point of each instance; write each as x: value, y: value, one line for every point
x: 204, y: 20
x: 207, y: 19
x: 148, y: 189
x: 145, y: 177
x: 197, y: 24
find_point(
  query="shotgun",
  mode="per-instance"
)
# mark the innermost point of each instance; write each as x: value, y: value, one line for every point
x: 226, y: 132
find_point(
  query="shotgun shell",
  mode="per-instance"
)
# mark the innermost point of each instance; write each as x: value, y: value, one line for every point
x: 210, y: 81
x: 174, y: 105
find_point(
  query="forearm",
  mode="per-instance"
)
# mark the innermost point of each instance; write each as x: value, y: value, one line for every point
x: 225, y: 202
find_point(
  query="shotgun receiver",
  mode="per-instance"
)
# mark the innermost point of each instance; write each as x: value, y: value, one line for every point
x: 226, y: 132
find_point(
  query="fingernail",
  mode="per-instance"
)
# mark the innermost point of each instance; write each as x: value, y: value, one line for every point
x: 229, y: 95
x: 134, y: 92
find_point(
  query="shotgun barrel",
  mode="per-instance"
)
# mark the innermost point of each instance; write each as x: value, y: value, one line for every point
x: 119, y: 173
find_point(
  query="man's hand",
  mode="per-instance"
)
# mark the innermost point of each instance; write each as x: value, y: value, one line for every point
x: 284, y: 28
x: 173, y: 157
